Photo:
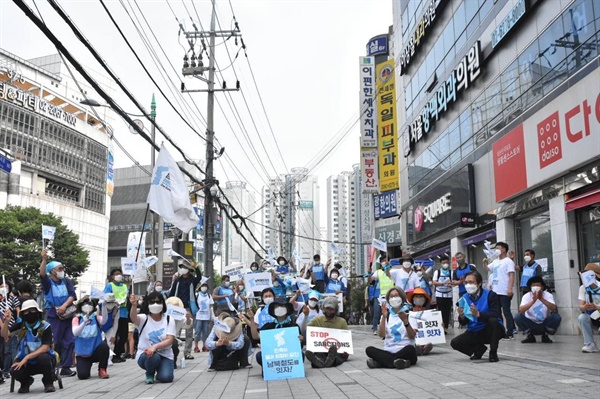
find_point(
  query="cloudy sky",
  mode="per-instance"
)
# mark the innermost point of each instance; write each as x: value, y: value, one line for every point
x: 303, y: 54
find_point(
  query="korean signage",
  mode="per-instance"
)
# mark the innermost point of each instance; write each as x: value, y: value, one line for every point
x: 414, y: 41
x: 386, y: 127
x: 235, y: 271
x: 378, y: 45
x: 36, y: 104
x: 385, y: 204
x: 508, y: 22
x: 368, y: 137
x: 281, y: 354
x: 366, y: 217
x: 560, y: 137
x: 388, y: 231
x: 465, y: 73
x: 430, y: 328
x: 370, y: 171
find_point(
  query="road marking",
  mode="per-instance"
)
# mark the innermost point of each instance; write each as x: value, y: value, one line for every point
x: 455, y: 383
x: 572, y: 381
x: 353, y: 371
x: 256, y: 391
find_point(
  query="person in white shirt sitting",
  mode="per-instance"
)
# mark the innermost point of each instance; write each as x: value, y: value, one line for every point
x: 537, y: 313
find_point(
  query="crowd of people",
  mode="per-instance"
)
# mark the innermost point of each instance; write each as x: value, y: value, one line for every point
x: 68, y: 336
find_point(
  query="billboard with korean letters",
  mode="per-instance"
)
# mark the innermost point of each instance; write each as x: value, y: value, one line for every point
x: 386, y: 127
x: 385, y: 204
x: 370, y: 171
x: 368, y: 133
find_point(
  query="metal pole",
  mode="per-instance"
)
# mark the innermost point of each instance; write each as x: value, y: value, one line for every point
x: 157, y: 245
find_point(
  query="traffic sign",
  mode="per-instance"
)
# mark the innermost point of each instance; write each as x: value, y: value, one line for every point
x: 5, y: 164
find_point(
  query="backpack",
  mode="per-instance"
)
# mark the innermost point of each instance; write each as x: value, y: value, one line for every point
x: 146, y: 322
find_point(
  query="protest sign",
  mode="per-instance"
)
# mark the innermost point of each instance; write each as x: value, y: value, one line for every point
x: 429, y: 327
x: 340, y: 298
x: 588, y: 278
x: 257, y: 281
x: 95, y: 293
x: 48, y: 232
x: 128, y: 266
x: 321, y: 339
x: 176, y: 312
x: 380, y: 245
x: 235, y: 271
x: 281, y: 354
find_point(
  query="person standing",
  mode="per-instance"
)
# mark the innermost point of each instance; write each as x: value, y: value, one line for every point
x: 405, y: 277
x: 9, y: 301
x: 329, y: 319
x: 384, y: 284
x: 184, y: 287
x: 502, y: 282
x: 120, y: 291
x: 530, y: 269
x: 317, y: 273
x: 222, y: 293
x: 60, y: 295
x: 442, y: 282
x: 203, y: 317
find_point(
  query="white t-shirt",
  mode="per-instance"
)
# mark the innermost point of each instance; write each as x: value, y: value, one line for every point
x: 405, y: 280
x: 312, y: 313
x: 204, y: 303
x: 584, y: 296
x: 396, y: 336
x: 500, y: 269
x: 155, y: 332
x: 538, y: 312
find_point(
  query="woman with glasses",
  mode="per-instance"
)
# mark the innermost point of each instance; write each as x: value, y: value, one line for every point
x: 156, y: 334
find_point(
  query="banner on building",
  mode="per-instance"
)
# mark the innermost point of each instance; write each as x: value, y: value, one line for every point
x: 366, y: 216
x: 369, y: 167
x: 387, y: 128
x: 368, y: 131
x: 385, y: 204
x: 110, y: 170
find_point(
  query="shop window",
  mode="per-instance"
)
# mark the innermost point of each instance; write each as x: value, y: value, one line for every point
x: 589, y: 234
x: 534, y: 232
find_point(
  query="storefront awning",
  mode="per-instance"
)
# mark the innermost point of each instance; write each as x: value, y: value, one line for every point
x: 583, y: 200
x: 478, y: 238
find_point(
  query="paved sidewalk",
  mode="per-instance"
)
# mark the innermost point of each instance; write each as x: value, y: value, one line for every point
x: 558, y: 370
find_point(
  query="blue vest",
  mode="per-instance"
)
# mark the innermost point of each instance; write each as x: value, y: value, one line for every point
x: 89, y: 339
x: 460, y: 273
x: 425, y: 286
x: 57, y: 295
x: 482, y: 306
x: 225, y: 291
x: 528, y: 272
x: 264, y: 317
x: 443, y: 276
x: 283, y: 269
x: 334, y: 286
x: 30, y: 343
x: 279, y: 291
x: 319, y: 272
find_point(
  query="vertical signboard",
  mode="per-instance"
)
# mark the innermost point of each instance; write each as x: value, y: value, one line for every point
x: 369, y: 169
x: 368, y: 137
x: 386, y: 127
x: 110, y: 171
x: 366, y: 214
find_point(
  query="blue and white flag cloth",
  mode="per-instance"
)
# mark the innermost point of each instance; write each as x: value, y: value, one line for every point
x: 168, y: 194
x: 336, y: 249
x: 48, y: 232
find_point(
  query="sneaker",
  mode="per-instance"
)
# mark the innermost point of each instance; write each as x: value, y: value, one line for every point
x: 590, y: 348
x: 314, y: 359
x: 493, y: 357
x: 49, y: 388
x: 508, y: 338
x: 189, y: 357
x: 129, y: 356
x: 25, y: 386
x: 117, y: 359
x: 546, y: 339
x: 210, y: 370
x: 6, y: 375
x: 205, y: 349
x: 427, y: 348
x: 531, y: 339
x: 196, y: 350
x: 478, y: 354
x: 102, y: 374
x: 373, y: 364
x: 67, y: 372
x: 402, y: 363
x: 374, y: 332
x: 149, y: 380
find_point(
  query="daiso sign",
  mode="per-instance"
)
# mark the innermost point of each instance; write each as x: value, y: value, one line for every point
x: 563, y: 135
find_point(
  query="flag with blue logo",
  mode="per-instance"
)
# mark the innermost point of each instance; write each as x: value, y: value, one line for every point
x: 48, y: 232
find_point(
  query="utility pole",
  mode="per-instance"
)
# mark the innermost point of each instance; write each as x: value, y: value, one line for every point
x: 156, y: 245
x: 197, y: 70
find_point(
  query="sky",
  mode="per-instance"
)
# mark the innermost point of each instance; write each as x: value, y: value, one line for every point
x: 303, y: 55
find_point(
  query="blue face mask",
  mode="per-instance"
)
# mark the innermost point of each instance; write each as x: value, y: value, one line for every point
x: 227, y: 284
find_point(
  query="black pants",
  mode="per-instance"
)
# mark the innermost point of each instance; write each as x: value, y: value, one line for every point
x: 44, y: 365
x: 445, y: 306
x: 469, y: 341
x: 386, y: 359
x: 223, y: 359
x: 84, y: 363
x: 121, y: 338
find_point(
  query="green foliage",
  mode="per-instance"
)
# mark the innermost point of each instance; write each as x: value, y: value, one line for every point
x: 357, y: 293
x: 21, y: 245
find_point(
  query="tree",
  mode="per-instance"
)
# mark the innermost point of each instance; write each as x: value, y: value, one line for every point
x: 357, y: 293
x: 21, y: 245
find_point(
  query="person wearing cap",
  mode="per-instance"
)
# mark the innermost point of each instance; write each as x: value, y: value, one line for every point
x: 227, y: 344
x: 119, y: 289
x: 317, y: 273
x: 538, y: 314
x: 89, y: 346
x: 184, y: 287
x: 35, y: 354
x: 204, y: 315
x: 589, y: 305
x: 399, y: 335
x: 283, y: 266
x: 306, y: 310
x: 329, y: 319
x: 420, y: 301
x: 60, y: 295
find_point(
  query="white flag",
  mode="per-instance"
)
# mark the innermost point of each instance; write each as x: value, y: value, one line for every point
x: 336, y: 249
x: 168, y: 194
x: 230, y: 305
x: 48, y: 232
x: 96, y: 293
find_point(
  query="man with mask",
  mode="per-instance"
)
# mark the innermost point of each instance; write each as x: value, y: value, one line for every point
x: 184, y: 287
x: 384, y: 284
x: 529, y: 269
x: 35, y: 354
x: 538, y: 312
x: 317, y: 273
x: 458, y: 275
x: 283, y: 267
x: 502, y: 281
x: 120, y: 291
x: 405, y: 277
x: 329, y: 319
x: 481, y: 315
x: 60, y: 295
x: 221, y: 293
x: 442, y: 281
x: 589, y: 305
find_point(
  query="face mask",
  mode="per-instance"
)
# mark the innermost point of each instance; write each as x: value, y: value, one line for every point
x: 334, y: 276
x: 183, y: 271
x: 60, y: 275
x: 312, y: 303
x: 281, y: 263
x: 406, y: 265
x: 140, y: 301
x: 395, y: 302
x: 30, y: 318
x: 268, y: 301
x: 419, y: 301
x: 155, y: 308
x: 87, y: 309
x: 118, y: 278
x: 280, y: 311
x: 317, y: 261
x: 497, y: 252
x: 471, y: 288
x: 158, y: 288
x: 204, y: 289
x: 3, y: 291
x: 420, y: 274
x: 227, y: 283
x: 254, y: 268
x: 461, y: 261
x: 241, y: 287
x: 276, y: 284
x: 527, y: 259
x: 445, y: 266
x: 535, y: 289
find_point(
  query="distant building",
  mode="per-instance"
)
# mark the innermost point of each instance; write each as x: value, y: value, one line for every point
x: 235, y: 248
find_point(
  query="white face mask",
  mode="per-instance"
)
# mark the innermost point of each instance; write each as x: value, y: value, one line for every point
x: 276, y: 284
x: 535, y: 289
x: 140, y: 301
x: 471, y: 288
x: 155, y: 308
x: 406, y: 265
x: 312, y: 303
x: 281, y: 263
x: 241, y: 287
x: 445, y: 266
x: 183, y: 271
x: 334, y: 276
x: 254, y: 268
x: 158, y: 288
x: 60, y: 275
x: 87, y: 309
x: 420, y: 274
x: 268, y: 301
x: 118, y: 278
x: 280, y: 311
x: 497, y: 252
x: 395, y: 302
x: 203, y: 289
x: 3, y: 291
x: 419, y: 301
x: 527, y: 258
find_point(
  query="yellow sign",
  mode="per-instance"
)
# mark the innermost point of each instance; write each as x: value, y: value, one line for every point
x: 389, y: 174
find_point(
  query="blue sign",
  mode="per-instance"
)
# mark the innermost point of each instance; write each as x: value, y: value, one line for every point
x: 5, y: 164
x: 281, y: 354
x: 385, y: 204
x: 377, y: 45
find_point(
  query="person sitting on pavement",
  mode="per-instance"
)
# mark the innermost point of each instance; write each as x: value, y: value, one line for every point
x: 156, y: 334
x: 482, y: 318
x: 538, y: 313
x: 589, y: 304
x: 419, y: 299
x: 35, y: 354
x: 227, y: 344
x: 283, y: 266
x: 306, y: 310
x: 329, y: 319
x: 203, y: 317
x: 399, y: 335
x: 89, y: 346
x: 184, y: 287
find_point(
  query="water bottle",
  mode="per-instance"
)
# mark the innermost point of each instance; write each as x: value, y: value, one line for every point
x: 182, y: 364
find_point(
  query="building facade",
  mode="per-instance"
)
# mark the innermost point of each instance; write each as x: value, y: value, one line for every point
x: 501, y: 134
x: 244, y: 202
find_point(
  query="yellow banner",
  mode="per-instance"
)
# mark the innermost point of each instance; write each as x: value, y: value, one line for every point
x: 389, y: 173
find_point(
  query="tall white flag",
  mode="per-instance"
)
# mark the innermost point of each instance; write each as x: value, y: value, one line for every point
x: 168, y: 194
